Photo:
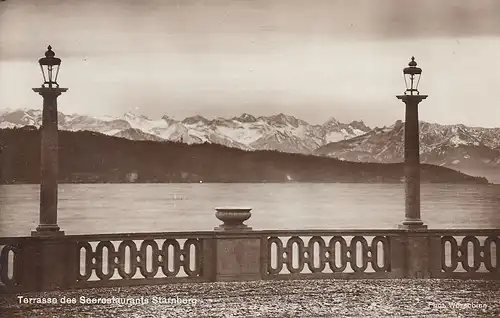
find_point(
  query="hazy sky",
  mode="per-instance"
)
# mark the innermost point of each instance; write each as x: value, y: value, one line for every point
x: 311, y: 59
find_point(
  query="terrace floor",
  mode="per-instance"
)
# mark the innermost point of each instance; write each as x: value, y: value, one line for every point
x: 311, y: 298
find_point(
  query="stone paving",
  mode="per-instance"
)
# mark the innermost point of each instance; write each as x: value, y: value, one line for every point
x: 311, y: 298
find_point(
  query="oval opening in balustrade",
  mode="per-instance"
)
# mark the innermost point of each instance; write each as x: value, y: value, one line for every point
x: 149, y: 258
x: 470, y: 253
x: 10, y: 264
x: 315, y: 254
x: 380, y: 254
x: 273, y: 257
x: 127, y: 266
x: 339, y: 250
x: 447, y: 254
x: 83, y: 257
x: 170, y: 258
x: 104, y: 263
x: 358, y: 254
x: 295, y: 255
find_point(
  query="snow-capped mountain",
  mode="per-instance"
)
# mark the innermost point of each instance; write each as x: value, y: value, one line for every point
x: 454, y: 146
x: 137, y: 134
x: 278, y: 132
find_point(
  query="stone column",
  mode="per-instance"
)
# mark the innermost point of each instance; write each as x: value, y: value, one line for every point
x: 412, y: 163
x: 238, y: 248
x: 49, y: 163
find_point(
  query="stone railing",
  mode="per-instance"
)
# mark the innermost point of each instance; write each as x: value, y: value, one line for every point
x: 135, y: 259
x: 333, y: 254
x: 128, y: 259
x: 234, y: 253
x: 14, y: 263
x: 473, y: 254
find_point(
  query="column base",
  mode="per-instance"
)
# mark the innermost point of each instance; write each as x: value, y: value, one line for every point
x: 412, y: 225
x: 44, y: 230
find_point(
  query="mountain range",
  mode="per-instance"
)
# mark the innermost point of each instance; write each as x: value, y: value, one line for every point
x: 468, y: 149
x: 278, y: 132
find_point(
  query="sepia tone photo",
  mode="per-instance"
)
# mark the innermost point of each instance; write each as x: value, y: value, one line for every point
x: 249, y: 158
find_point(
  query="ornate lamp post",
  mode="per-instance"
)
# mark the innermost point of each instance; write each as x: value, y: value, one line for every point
x: 412, y: 98
x: 49, y: 90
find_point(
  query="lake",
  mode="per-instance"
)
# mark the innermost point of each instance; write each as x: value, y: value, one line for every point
x: 114, y: 208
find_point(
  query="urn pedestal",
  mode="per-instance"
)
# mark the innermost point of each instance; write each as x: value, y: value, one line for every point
x: 237, y: 249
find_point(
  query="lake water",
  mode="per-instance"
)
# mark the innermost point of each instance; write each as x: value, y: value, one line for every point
x: 114, y: 208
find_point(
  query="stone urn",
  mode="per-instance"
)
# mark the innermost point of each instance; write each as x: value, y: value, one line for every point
x: 232, y: 218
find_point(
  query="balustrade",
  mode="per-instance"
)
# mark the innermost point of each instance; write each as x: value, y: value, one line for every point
x: 12, y: 262
x: 156, y: 258
x: 140, y: 259
x: 10, y: 259
x: 328, y: 253
x: 469, y: 254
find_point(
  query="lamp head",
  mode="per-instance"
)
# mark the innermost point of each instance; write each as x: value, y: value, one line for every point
x: 412, y: 75
x: 50, y: 66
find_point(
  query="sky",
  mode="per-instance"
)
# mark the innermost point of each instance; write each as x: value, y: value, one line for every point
x: 310, y: 59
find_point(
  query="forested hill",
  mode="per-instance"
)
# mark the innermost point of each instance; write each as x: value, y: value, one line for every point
x: 92, y: 157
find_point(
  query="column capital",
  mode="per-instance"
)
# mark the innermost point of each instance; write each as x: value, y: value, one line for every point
x: 409, y: 99
x: 50, y: 91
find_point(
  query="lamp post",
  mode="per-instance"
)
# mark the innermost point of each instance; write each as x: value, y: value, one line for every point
x: 49, y: 90
x: 412, y: 98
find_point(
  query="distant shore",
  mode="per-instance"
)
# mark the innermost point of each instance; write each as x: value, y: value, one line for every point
x: 89, y: 157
